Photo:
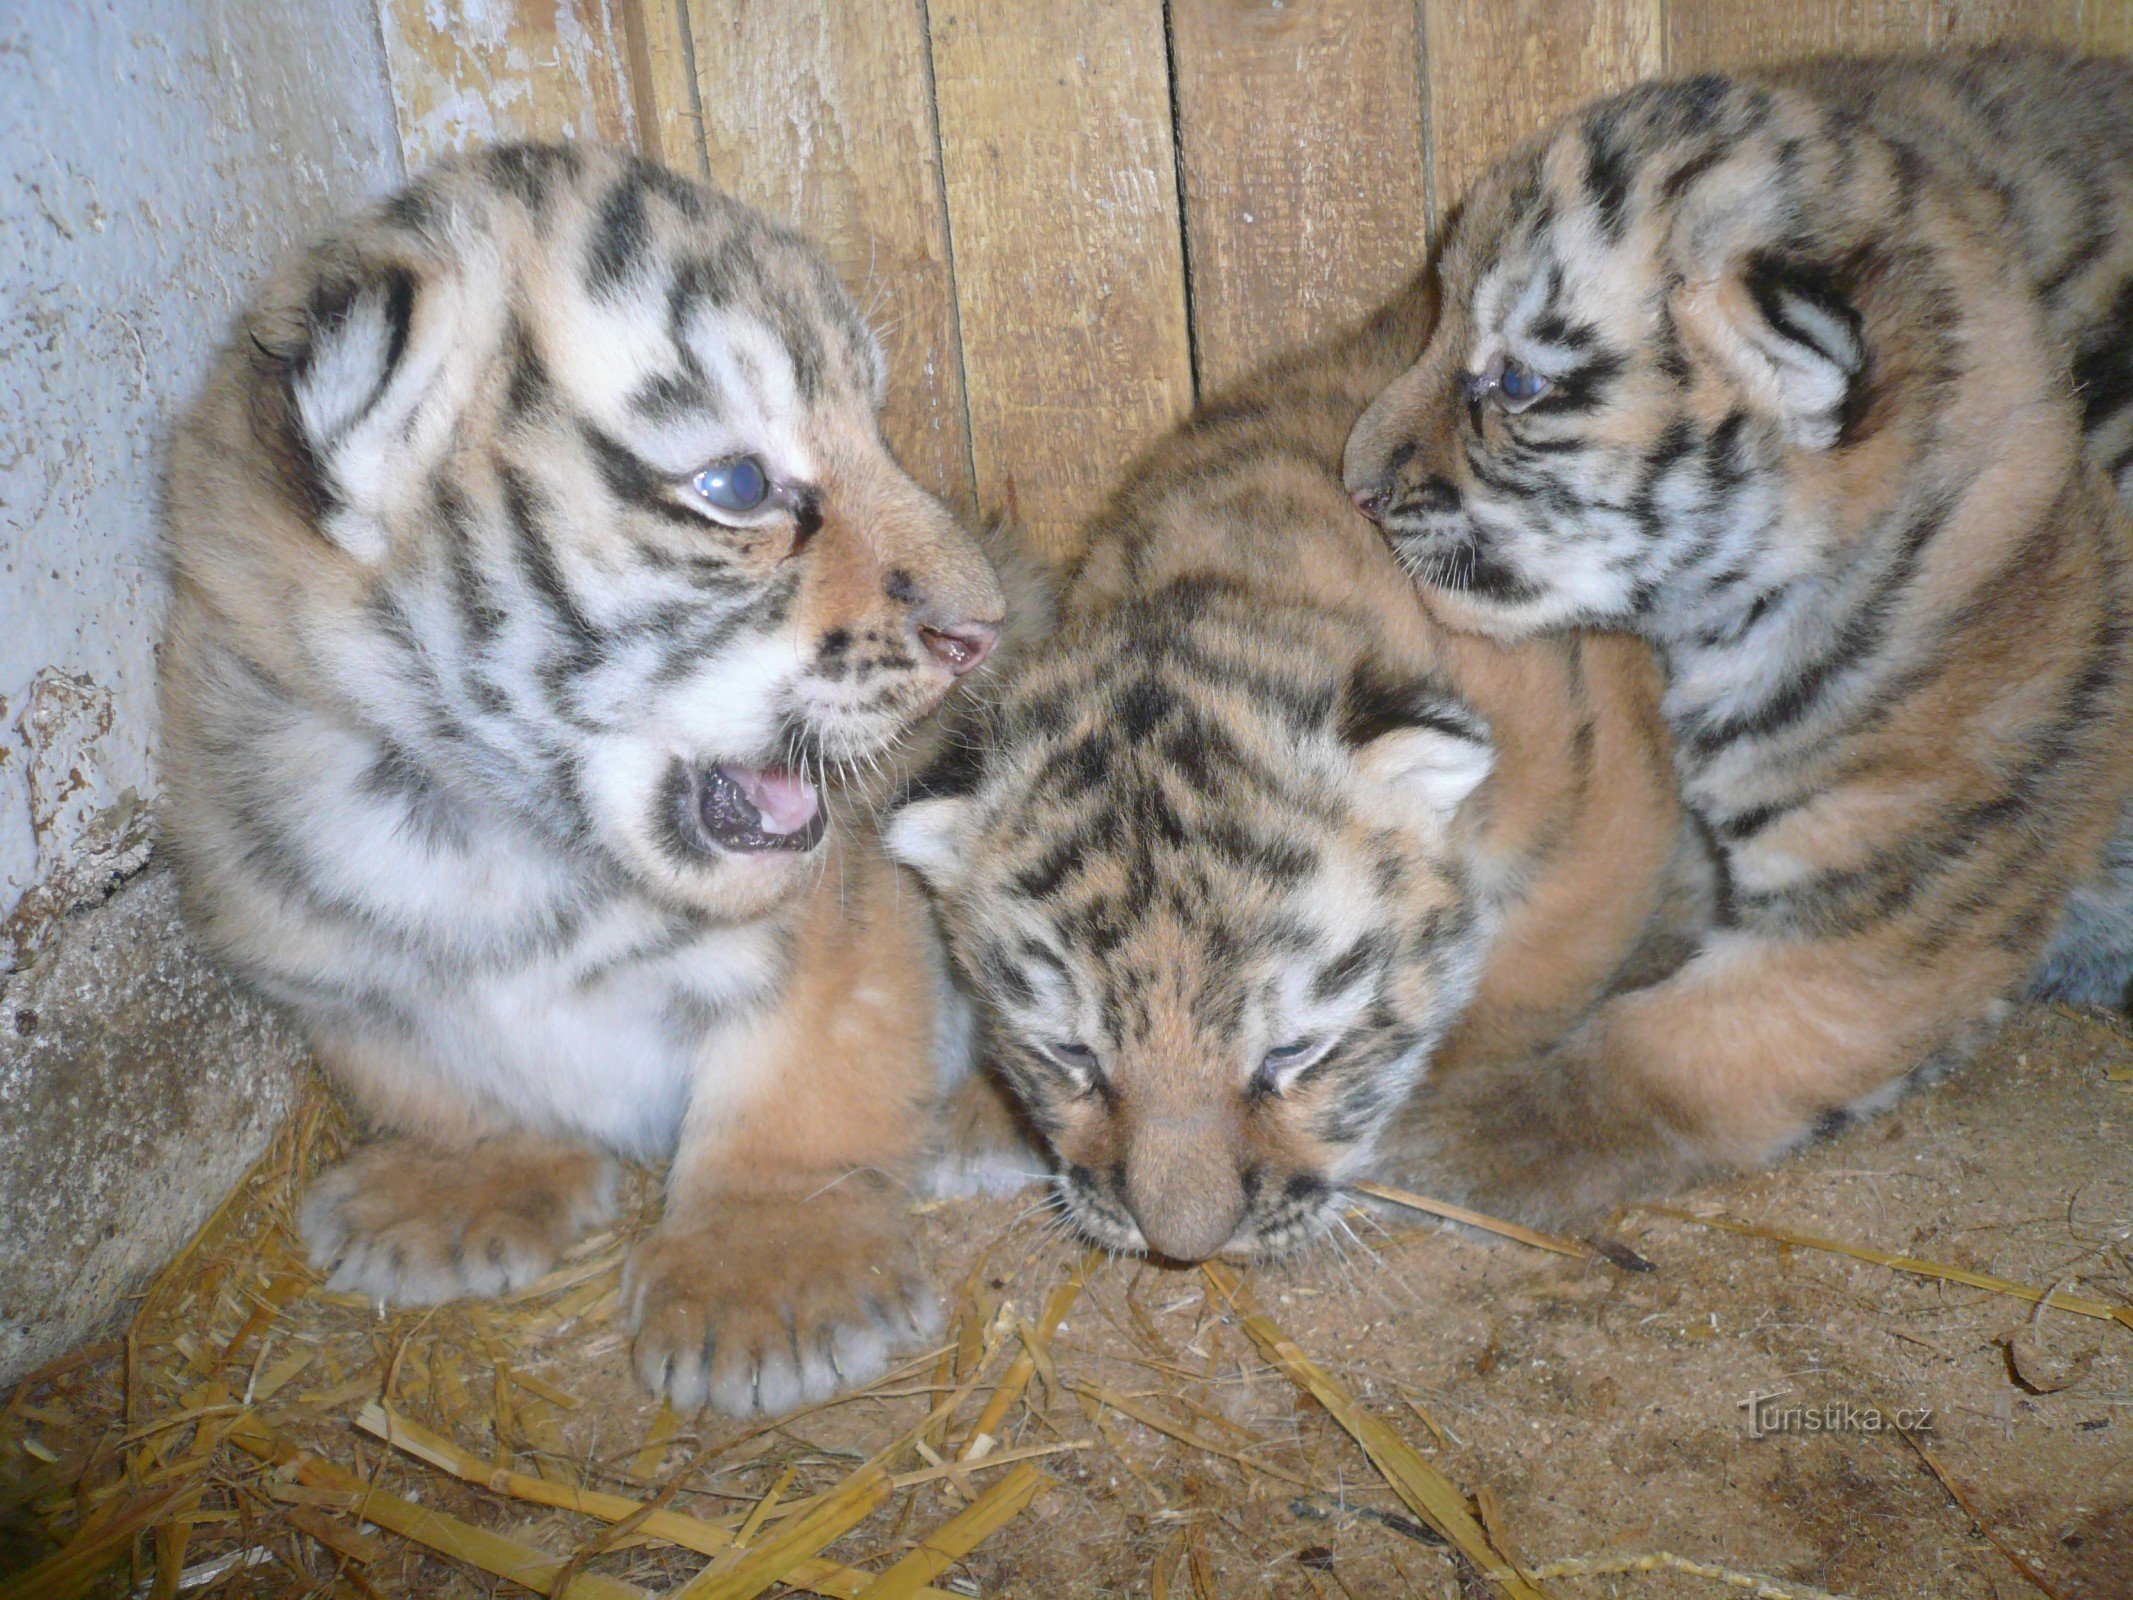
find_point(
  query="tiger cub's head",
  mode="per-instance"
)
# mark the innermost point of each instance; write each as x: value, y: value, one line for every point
x: 1651, y: 321
x: 560, y: 476
x: 1202, y: 867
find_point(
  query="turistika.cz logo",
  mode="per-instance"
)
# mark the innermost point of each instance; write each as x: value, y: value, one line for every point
x: 1768, y: 1414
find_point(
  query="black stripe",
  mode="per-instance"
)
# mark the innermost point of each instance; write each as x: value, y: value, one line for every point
x: 1610, y: 167
x: 1859, y: 636
x: 522, y: 505
x: 529, y: 171
x: 636, y: 482
x: 1773, y: 282
x: 1678, y: 181
x: 530, y: 387
x: 2103, y: 368
x: 621, y: 237
x: 676, y: 396
x: 476, y: 606
x: 332, y: 309
x: 1375, y: 703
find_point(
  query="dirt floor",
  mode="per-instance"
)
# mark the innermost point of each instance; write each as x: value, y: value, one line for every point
x: 1595, y: 1416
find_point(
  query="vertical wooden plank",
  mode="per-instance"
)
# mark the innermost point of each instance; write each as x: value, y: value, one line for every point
x: 1301, y: 134
x: 1723, y: 34
x: 1727, y: 34
x: 670, y: 123
x: 1069, y: 269
x: 1502, y: 69
x: 819, y: 112
x: 2106, y: 25
x: 477, y: 71
x: 1960, y: 22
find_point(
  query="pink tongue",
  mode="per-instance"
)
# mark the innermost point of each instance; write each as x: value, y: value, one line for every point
x: 786, y: 800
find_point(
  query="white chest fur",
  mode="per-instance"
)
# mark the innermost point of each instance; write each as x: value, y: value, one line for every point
x: 450, y: 945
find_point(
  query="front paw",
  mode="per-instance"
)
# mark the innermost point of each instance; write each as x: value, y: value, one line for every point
x: 980, y: 1146
x: 759, y: 1305
x: 408, y: 1224
x: 1555, y: 1141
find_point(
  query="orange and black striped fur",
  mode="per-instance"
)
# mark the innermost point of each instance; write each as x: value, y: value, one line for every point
x: 1817, y: 380
x: 1253, y: 857
x: 539, y: 571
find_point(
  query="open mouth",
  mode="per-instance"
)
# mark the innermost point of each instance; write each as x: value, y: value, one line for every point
x: 748, y: 810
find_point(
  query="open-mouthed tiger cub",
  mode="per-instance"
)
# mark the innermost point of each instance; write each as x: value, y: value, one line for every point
x: 1249, y: 835
x: 1792, y: 374
x: 539, y: 568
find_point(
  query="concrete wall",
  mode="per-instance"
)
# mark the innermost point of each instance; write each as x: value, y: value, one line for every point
x: 155, y: 155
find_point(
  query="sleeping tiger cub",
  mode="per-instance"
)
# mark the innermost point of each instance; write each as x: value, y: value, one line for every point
x: 539, y: 569
x: 1814, y: 378
x: 1250, y: 837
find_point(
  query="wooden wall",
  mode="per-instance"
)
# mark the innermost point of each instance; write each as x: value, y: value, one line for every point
x: 1068, y: 217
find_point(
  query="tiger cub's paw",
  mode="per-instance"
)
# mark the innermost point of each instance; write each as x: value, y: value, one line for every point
x: 1555, y: 1142
x: 405, y: 1223
x: 759, y: 1305
x: 979, y: 1145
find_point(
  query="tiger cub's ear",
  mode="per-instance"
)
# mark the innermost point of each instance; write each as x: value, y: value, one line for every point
x: 1784, y: 327
x: 930, y: 837
x: 1420, y: 743
x: 1791, y: 338
x: 929, y: 828
x: 366, y: 356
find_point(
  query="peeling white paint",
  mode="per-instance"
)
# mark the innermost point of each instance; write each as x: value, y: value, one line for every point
x: 157, y: 154
x: 476, y: 71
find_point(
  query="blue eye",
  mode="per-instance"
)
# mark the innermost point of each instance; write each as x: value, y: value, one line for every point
x: 1289, y: 1054
x: 1077, y: 1058
x: 1519, y: 386
x: 737, y: 485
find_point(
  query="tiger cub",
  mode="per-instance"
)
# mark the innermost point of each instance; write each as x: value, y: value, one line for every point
x: 1250, y: 837
x: 539, y: 573
x: 1813, y: 378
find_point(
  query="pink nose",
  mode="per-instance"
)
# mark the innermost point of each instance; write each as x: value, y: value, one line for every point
x: 961, y: 647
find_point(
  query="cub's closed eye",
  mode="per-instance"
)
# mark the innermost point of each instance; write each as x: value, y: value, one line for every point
x: 1289, y: 1054
x: 737, y: 485
x: 1074, y: 1057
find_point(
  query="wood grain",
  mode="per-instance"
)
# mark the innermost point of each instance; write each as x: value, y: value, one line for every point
x: 2083, y: 24
x: 1725, y: 34
x: 478, y: 71
x: 2102, y: 25
x: 1069, y: 269
x: 819, y: 111
x: 669, y: 124
x: 1502, y: 69
x: 1305, y: 196
x: 1736, y: 33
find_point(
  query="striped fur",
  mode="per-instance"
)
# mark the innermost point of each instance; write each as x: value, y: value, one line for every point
x: 1836, y: 364
x: 1251, y: 839
x: 461, y: 668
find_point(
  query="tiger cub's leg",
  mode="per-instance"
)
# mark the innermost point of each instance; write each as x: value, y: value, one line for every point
x: 981, y: 1145
x: 784, y: 1267
x: 1743, y: 1053
x: 2090, y: 959
x: 469, y: 1206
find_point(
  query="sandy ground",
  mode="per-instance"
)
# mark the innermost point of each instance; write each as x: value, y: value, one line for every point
x: 1592, y: 1411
